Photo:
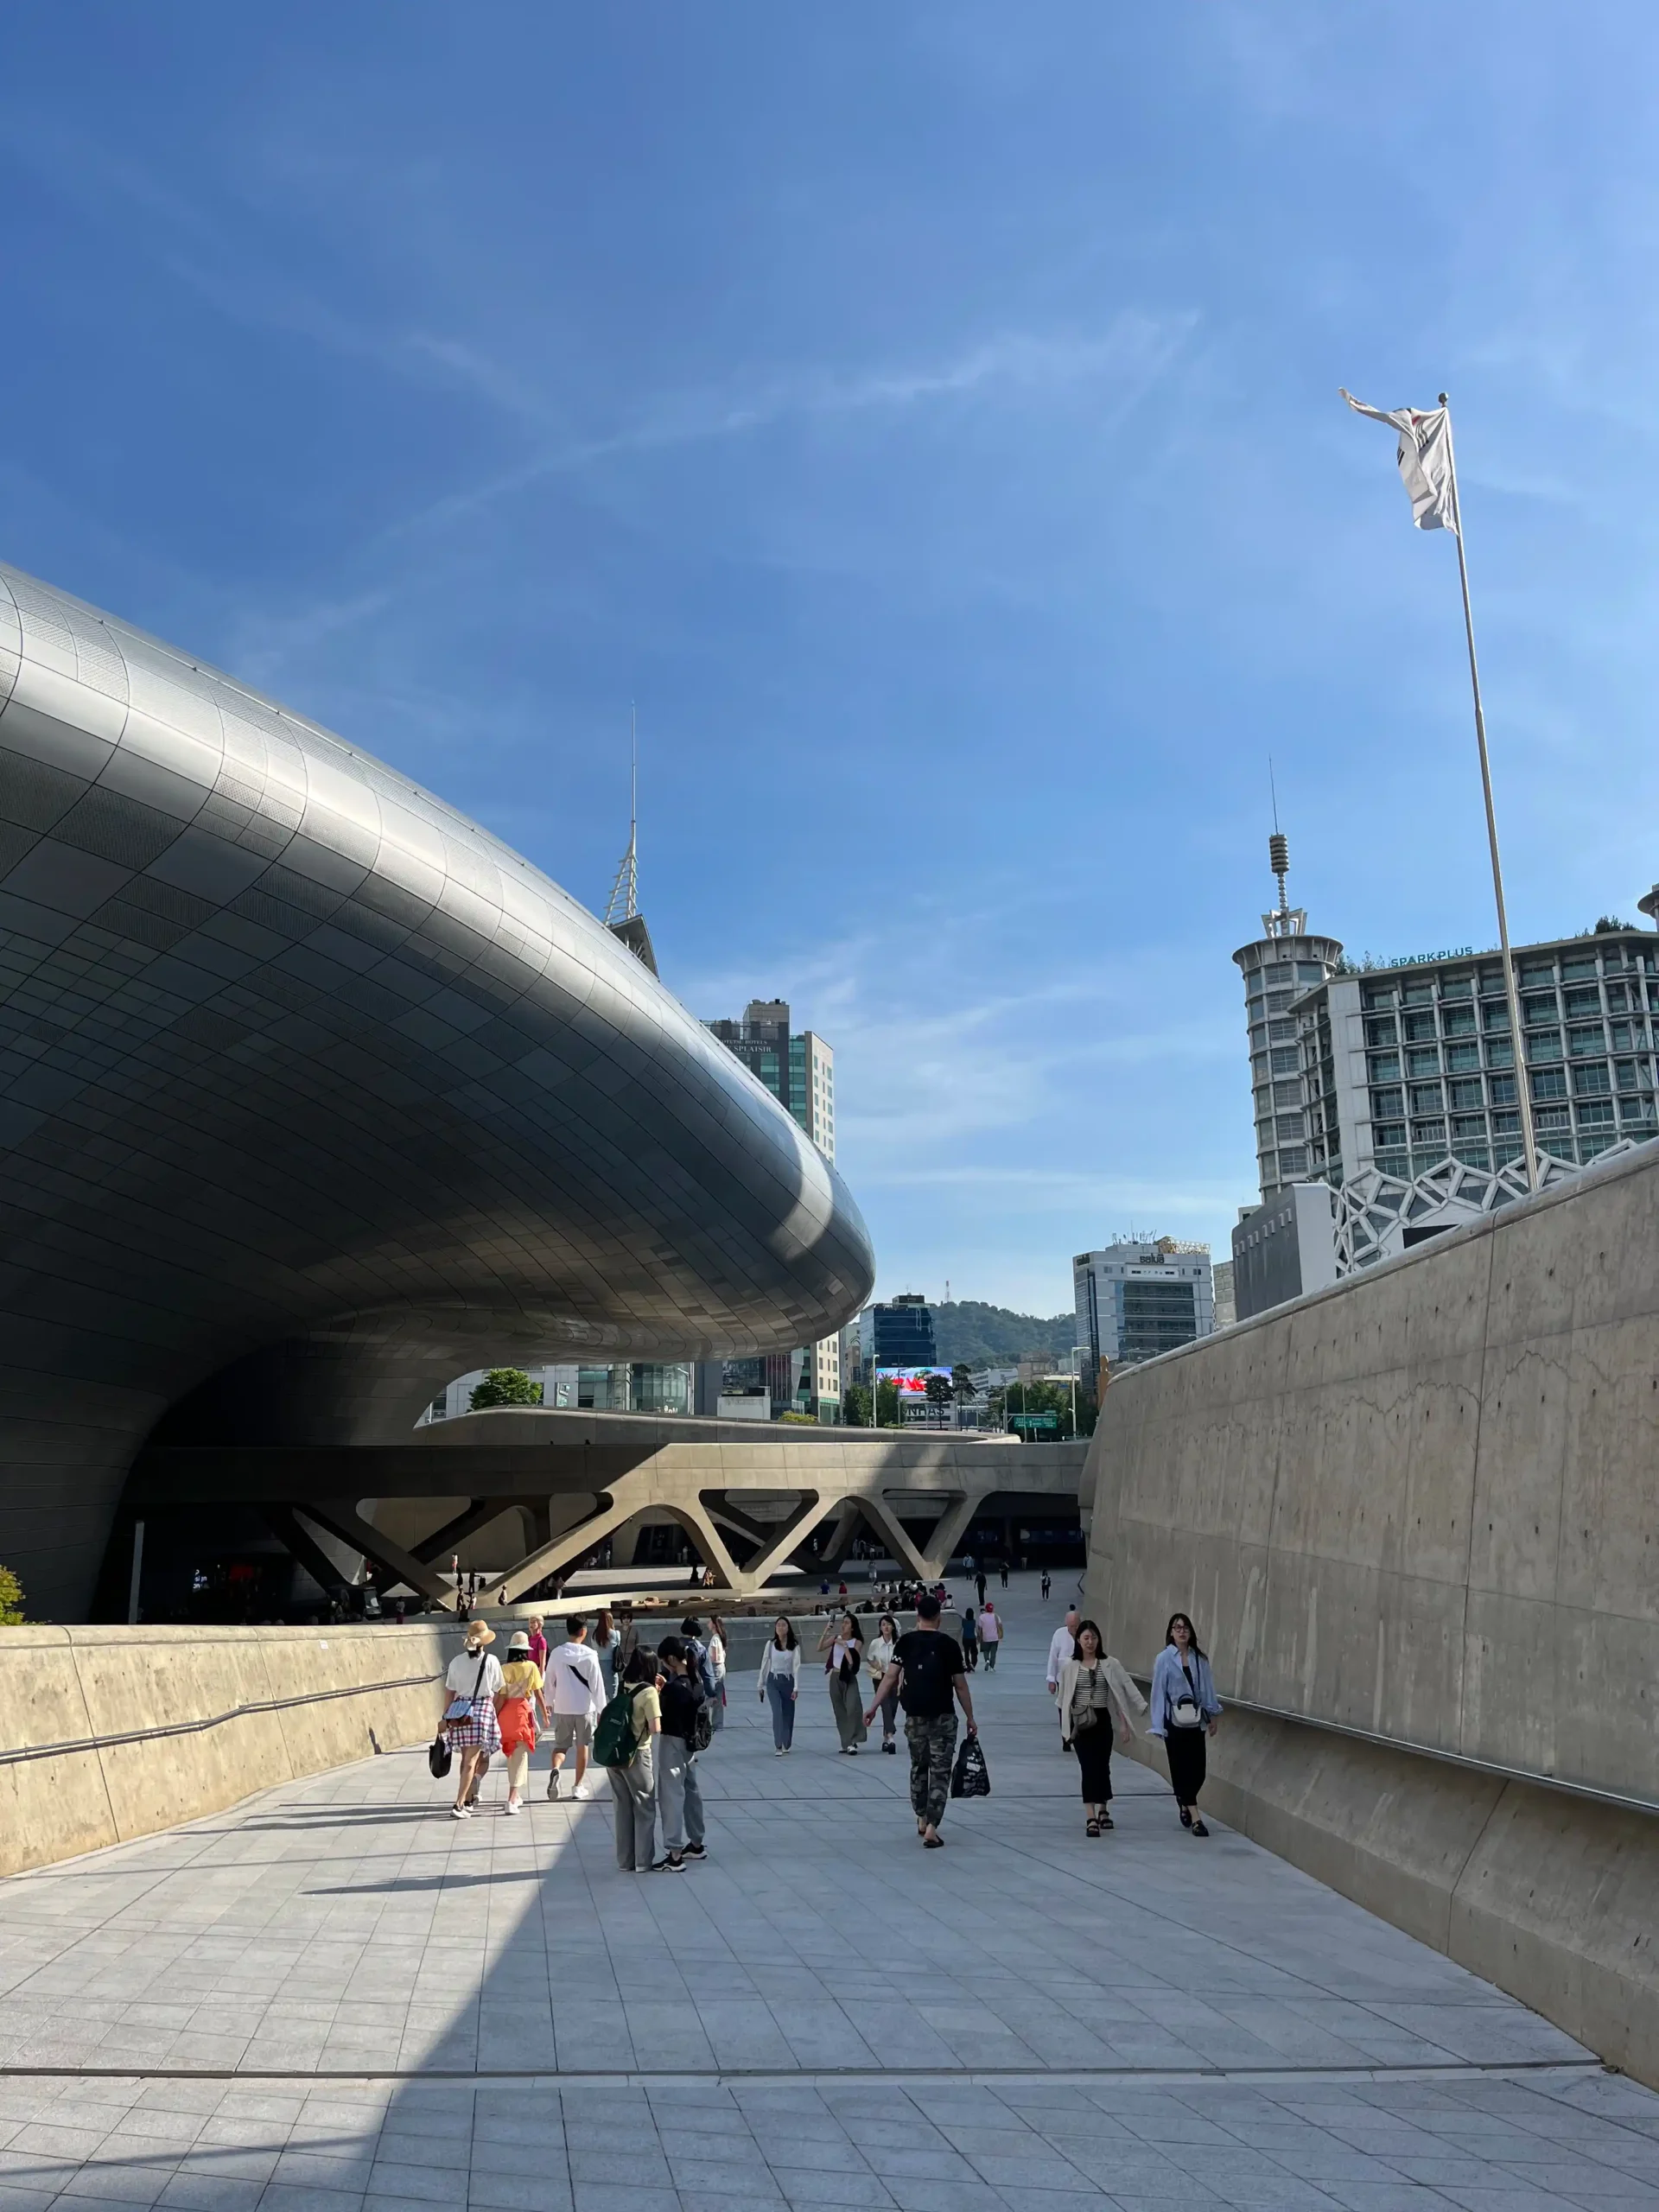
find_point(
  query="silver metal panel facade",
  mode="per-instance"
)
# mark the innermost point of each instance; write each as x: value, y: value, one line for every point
x: 312, y: 1094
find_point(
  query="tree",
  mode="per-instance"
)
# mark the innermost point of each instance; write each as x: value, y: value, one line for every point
x: 939, y: 1394
x: 887, y: 1404
x: 505, y: 1386
x: 11, y: 1599
x: 1041, y: 1398
x: 855, y: 1406
x: 962, y: 1382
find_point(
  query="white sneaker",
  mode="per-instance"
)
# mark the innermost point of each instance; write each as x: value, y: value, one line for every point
x: 581, y: 1793
x: 459, y: 1813
x: 512, y: 1806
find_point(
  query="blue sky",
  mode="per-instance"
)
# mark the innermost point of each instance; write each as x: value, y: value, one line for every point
x: 928, y: 417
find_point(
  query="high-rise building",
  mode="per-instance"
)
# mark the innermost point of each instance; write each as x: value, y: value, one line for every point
x: 898, y: 1334
x: 1283, y: 962
x: 799, y: 1070
x: 1396, y: 1082
x: 1140, y: 1296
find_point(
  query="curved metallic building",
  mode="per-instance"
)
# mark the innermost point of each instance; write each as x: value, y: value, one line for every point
x: 313, y: 1094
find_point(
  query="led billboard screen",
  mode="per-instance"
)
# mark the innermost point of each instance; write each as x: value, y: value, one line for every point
x: 909, y: 1381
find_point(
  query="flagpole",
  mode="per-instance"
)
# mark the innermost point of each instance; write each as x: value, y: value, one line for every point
x: 1522, y: 1087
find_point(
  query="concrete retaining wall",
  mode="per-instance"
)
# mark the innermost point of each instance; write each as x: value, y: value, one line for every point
x: 278, y: 1704
x: 1424, y: 1505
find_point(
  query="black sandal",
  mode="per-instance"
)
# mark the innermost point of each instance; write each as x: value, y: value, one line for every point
x: 1091, y: 1827
x: 1107, y: 1821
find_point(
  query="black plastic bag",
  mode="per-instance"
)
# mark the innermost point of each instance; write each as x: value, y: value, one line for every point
x: 969, y: 1777
x: 438, y: 1756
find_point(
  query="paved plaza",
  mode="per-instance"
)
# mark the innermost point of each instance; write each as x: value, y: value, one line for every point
x: 335, y: 1997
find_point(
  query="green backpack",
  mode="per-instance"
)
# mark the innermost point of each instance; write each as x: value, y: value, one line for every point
x: 615, y: 1741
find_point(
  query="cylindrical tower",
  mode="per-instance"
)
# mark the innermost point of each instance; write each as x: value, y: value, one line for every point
x: 1280, y: 965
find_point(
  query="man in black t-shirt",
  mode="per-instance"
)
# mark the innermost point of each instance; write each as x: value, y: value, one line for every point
x: 928, y: 1671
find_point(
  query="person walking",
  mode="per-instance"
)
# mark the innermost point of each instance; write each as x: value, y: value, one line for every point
x: 537, y: 1643
x: 843, y: 1640
x: 1062, y: 1646
x: 1046, y: 1586
x: 780, y: 1683
x: 679, y: 1799
x: 991, y: 1634
x: 633, y: 1787
x: 970, y: 1638
x: 1185, y: 1710
x: 578, y: 1694
x: 979, y: 1585
x: 1005, y: 1574
x: 878, y: 1657
x: 470, y: 1686
x: 717, y: 1666
x: 519, y: 1702
x: 1097, y: 1699
x: 607, y: 1650
x: 927, y: 1671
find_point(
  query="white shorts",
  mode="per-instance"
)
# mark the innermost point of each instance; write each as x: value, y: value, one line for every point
x: 571, y: 1730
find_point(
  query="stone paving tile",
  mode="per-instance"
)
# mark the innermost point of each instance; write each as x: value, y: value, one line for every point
x: 345, y: 1924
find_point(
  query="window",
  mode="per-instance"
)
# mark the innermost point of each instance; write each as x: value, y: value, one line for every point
x: 1426, y: 1098
x: 1619, y: 998
x: 1290, y: 1129
x: 1553, y: 1117
x: 1277, y: 1001
x: 1423, y: 1059
x: 1457, y: 1020
x: 1506, y: 1125
x: 1427, y: 1134
x: 1284, y: 1060
x: 1630, y: 1036
x: 1419, y: 1024
x: 1635, y: 1111
x: 1377, y: 994
x: 1500, y: 1053
x: 1629, y: 1076
x: 1383, y: 1031
x: 1417, y: 994
x: 1282, y: 1033
x: 1258, y: 1067
x: 1539, y: 1009
x: 1470, y: 1129
x: 1467, y: 1097
x: 1501, y: 1090
x: 1462, y: 1056
x: 1457, y: 986
x: 1385, y: 1067
x: 1537, y: 971
x: 1258, y: 1032
x: 1597, y: 1115
x: 1385, y: 1104
x: 1583, y: 1001
x: 1309, y: 971
x: 1546, y: 1046
x: 1583, y: 1042
x: 1292, y: 1163
x: 1579, y: 966
x: 1592, y: 1081
x: 1549, y: 1083
x: 1494, y: 1017
x: 1287, y: 1093
x: 1390, y: 1136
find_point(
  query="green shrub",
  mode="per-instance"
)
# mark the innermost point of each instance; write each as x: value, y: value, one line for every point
x: 505, y: 1386
x: 11, y: 1599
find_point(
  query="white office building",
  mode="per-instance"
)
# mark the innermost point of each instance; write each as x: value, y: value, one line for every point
x: 1140, y: 1296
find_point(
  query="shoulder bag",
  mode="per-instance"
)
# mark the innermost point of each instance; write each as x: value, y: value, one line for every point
x: 1185, y: 1712
x: 463, y: 1708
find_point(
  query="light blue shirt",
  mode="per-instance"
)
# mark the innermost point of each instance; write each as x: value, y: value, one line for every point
x: 1168, y: 1686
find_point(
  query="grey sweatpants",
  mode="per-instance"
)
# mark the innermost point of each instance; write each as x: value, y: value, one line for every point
x: 679, y: 1800
x: 634, y: 1788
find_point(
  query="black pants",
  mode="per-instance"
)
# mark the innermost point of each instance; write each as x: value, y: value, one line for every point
x: 1187, y: 1762
x: 1094, y: 1751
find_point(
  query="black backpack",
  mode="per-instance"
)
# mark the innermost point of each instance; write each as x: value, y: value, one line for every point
x: 924, y: 1686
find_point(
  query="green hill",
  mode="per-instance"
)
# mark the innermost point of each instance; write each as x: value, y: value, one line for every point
x: 972, y: 1334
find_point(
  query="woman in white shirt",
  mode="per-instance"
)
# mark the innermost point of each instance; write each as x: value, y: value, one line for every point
x: 842, y: 1642
x: 880, y: 1657
x: 716, y: 1651
x: 1097, y: 1701
x: 470, y: 1688
x: 780, y: 1683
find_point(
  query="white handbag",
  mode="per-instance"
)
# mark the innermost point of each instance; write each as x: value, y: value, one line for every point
x: 1184, y: 1712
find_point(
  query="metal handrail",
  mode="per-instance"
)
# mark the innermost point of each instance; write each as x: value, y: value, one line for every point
x: 212, y: 1720
x: 1623, y: 1799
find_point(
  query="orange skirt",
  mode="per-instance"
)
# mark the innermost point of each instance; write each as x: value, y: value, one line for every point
x: 518, y: 1722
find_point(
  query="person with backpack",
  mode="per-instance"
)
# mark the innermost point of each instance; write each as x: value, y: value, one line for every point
x: 1185, y: 1710
x: 703, y: 1664
x: 625, y: 1744
x: 927, y: 1671
x: 578, y: 1690
x: 780, y: 1683
x: 685, y: 1726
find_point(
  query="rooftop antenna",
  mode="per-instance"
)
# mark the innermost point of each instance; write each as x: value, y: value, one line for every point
x: 625, y: 892
x: 1285, y: 920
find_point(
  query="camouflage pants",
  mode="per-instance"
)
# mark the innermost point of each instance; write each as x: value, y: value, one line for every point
x: 932, y: 1745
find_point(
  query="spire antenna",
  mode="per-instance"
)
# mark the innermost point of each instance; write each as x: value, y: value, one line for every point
x: 623, y: 904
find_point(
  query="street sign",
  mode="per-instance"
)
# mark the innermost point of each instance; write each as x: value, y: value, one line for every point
x: 1033, y: 1420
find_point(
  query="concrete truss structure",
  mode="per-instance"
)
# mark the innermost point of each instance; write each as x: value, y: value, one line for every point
x: 312, y: 1093
x: 558, y: 1483
x: 1377, y: 1214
